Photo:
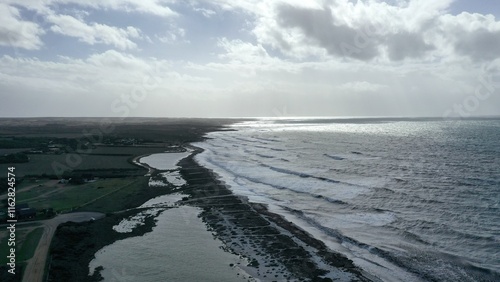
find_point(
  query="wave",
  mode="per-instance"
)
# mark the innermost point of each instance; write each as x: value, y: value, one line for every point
x: 446, y: 230
x: 276, y: 186
x: 250, y: 140
x: 264, y: 156
x: 269, y: 148
x: 267, y: 139
x: 307, y: 175
x: 341, y: 238
x: 334, y: 157
x: 414, y: 262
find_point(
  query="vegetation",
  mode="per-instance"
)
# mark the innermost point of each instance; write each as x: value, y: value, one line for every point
x: 55, y: 148
x: 26, y: 242
x: 53, y: 165
x: 104, y: 195
x: 14, y: 158
x: 29, y: 244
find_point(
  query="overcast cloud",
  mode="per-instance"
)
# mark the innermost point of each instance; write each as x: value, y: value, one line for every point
x: 249, y: 58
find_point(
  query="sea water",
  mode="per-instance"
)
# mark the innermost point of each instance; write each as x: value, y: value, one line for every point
x: 406, y: 200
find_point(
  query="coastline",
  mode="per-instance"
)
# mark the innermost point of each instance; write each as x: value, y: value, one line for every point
x: 274, y: 248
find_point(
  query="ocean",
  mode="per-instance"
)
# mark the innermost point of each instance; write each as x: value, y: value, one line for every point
x: 406, y: 200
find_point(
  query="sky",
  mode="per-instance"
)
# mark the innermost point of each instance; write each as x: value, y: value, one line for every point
x: 248, y: 58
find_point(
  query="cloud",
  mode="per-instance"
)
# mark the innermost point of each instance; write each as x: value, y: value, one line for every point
x: 238, y: 50
x: 16, y: 32
x: 334, y: 57
x: 115, y: 59
x: 405, y: 44
x: 362, y: 86
x: 480, y: 45
x: 473, y: 35
x: 94, y: 33
x: 364, y: 31
x: 152, y: 7
x: 371, y: 30
x: 205, y: 12
x: 173, y: 35
x: 103, y: 74
x: 319, y: 27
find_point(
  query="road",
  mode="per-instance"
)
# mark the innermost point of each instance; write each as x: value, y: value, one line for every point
x: 36, y: 265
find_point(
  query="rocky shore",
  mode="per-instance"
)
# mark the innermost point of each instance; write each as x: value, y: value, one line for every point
x: 275, y: 248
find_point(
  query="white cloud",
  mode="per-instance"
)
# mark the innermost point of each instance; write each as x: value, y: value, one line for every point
x: 311, y: 57
x: 361, y: 86
x: 173, y: 35
x: 418, y: 30
x: 152, y: 7
x: 205, y: 12
x: 94, y: 33
x: 473, y: 35
x: 238, y: 50
x: 103, y: 74
x: 16, y: 32
x: 114, y: 59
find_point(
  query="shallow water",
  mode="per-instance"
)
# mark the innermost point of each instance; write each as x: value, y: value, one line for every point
x: 178, y: 249
x: 164, y: 161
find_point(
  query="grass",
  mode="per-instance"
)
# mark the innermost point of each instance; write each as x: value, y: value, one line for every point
x: 122, y: 198
x: 44, y: 164
x: 128, y: 150
x: 28, y: 246
x: 70, y: 197
x: 26, y: 243
x: 100, y: 158
x: 33, y: 193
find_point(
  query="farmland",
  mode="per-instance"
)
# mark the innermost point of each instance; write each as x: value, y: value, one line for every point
x: 96, y: 196
x: 63, y: 165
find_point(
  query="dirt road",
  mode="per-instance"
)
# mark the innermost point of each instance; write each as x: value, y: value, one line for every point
x: 36, y: 265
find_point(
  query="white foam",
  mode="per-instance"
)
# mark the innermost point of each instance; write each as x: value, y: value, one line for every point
x: 129, y: 224
x: 306, y: 183
x: 174, y: 178
x: 169, y: 200
x: 156, y: 204
x: 157, y: 183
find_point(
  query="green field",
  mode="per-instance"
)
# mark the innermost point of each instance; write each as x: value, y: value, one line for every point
x: 64, y: 198
x: 132, y: 192
x: 44, y: 164
x: 28, y: 246
x: 26, y: 243
x: 99, y: 158
x: 128, y: 150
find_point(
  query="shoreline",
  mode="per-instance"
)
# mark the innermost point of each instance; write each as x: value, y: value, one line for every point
x: 135, y: 161
x: 275, y: 248
x: 152, y: 170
